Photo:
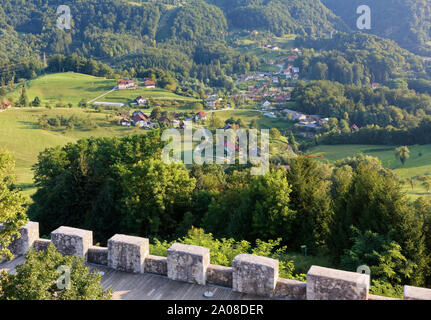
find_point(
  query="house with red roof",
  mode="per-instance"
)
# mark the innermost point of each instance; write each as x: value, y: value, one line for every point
x: 125, y: 122
x: 149, y: 84
x: 5, y: 104
x: 200, y: 116
x: 139, y: 119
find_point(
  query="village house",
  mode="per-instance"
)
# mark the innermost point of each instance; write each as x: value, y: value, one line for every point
x: 149, y: 84
x: 126, y: 85
x: 308, y: 124
x: 125, y: 122
x: 296, y: 116
x: 141, y: 101
x: 200, y: 116
x: 5, y: 105
x: 266, y: 104
x: 212, y: 101
x: 354, y: 128
x: 140, y: 120
x: 282, y: 98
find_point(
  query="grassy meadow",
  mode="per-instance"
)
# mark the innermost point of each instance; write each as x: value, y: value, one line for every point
x: 127, y: 96
x: 419, y: 162
x: 72, y: 87
x: 65, y: 87
x: 21, y: 135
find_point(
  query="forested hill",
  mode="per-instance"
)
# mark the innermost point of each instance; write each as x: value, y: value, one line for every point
x: 281, y: 16
x: 187, y: 37
x: 408, y: 22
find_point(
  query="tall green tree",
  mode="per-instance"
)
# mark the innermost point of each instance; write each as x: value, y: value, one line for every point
x: 78, y: 184
x: 39, y: 276
x: 23, y: 98
x: 311, y: 200
x: 12, y: 211
x: 402, y: 154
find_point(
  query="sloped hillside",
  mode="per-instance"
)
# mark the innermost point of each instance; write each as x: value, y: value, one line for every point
x: 281, y: 16
x: 406, y: 21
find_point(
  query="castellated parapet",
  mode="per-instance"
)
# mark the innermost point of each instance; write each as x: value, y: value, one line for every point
x: 188, y: 263
x: 249, y: 274
x: 72, y: 241
x: 29, y: 234
x: 254, y: 274
x: 127, y: 253
x: 331, y: 284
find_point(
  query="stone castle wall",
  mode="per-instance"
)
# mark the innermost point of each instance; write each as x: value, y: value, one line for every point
x: 249, y: 273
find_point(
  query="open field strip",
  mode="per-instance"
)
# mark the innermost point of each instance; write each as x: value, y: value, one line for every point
x: 419, y: 162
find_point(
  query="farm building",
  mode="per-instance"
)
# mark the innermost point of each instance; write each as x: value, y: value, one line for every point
x: 139, y: 119
x: 125, y: 122
x: 141, y: 101
x: 108, y: 104
x: 126, y: 85
x: 149, y: 84
x: 200, y: 116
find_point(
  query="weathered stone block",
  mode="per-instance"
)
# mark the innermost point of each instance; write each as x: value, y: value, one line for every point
x: 291, y: 289
x: 188, y: 263
x: 156, y: 265
x: 416, y: 293
x: 128, y: 253
x: 41, y: 244
x: 98, y: 255
x: 72, y: 241
x: 219, y: 275
x: 29, y: 234
x: 255, y: 275
x: 331, y: 284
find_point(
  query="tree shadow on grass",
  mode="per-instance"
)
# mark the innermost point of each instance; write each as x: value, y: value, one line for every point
x: 29, y: 125
x: 25, y: 186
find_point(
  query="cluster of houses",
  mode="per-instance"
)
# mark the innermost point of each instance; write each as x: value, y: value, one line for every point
x: 313, y: 122
x: 270, y: 47
x: 131, y: 84
x: 5, y: 104
x: 266, y: 85
x: 141, y: 120
x: 213, y: 101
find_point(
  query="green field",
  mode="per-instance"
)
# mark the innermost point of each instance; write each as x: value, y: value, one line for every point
x: 419, y: 162
x: 65, y: 87
x: 20, y: 134
x: 127, y: 96
x: 72, y: 87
